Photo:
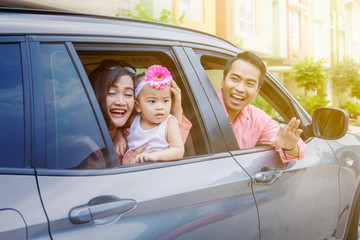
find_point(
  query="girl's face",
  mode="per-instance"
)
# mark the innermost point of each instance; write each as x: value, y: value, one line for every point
x: 120, y: 100
x: 154, y: 104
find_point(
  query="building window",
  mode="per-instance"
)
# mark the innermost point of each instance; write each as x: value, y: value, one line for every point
x: 318, y: 41
x: 244, y: 16
x: 193, y: 9
x: 294, y: 29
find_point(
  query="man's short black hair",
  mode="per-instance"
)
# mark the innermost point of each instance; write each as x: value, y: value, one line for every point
x: 251, y: 58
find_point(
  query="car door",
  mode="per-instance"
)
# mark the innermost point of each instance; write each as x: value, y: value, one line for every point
x: 206, y: 195
x: 296, y: 200
x: 21, y: 212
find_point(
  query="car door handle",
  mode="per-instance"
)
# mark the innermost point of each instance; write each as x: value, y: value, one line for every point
x: 100, y: 207
x: 267, y: 175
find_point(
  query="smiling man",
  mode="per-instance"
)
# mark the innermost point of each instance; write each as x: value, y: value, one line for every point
x: 242, y: 79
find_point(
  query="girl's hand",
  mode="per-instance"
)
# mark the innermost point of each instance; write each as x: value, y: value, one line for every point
x: 145, y: 157
x: 176, y: 108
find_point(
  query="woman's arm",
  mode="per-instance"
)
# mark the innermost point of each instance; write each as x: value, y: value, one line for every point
x: 119, y: 139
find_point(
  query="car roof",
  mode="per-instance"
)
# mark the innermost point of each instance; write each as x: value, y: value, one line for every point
x: 15, y: 21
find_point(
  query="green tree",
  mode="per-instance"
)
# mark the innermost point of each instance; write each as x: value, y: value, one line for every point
x: 309, y: 74
x: 355, y: 89
x: 345, y: 76
x: 312, y: 102
x: 165, y: 16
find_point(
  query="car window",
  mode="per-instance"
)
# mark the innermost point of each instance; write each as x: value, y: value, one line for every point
x: 11, y: 106
x: 141, y: 60
x: 73, y: 137
x: 214, y: 67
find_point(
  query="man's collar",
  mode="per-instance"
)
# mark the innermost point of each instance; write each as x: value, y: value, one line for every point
x: 243, y: 113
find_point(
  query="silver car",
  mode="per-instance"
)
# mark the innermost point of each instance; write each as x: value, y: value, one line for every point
x: 50, y: 122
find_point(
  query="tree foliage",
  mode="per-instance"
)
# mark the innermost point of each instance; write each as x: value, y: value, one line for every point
x: 345, y: 75
x: 312, y: 102
x: 165, y: 16
x: 309, y: 74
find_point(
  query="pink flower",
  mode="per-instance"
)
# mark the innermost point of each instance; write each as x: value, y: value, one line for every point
x: 157, y: 76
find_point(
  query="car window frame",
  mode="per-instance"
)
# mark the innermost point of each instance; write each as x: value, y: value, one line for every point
x: 82, y: 41
x: 160, y: 52
x: 27, y: 105
x: 219, y: 113
x: 270, y: 82
x: 39, y: 103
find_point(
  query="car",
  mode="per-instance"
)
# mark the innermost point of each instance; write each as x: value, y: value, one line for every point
x: 50, y: 121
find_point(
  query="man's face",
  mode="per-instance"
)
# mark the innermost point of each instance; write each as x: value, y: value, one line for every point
x: 240, y: 86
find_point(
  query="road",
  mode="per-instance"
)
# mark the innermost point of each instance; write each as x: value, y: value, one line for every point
x: 354, y: 129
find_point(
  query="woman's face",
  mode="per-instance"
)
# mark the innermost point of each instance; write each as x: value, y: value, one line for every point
x: 120, y: 100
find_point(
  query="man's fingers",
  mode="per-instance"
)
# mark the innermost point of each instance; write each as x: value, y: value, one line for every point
x: 282, y: 128
x: 293, y: 124
x: 298, y: 132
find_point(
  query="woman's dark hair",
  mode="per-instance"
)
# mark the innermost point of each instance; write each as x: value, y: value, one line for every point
x: 105, y: 76
x: 251, y: 58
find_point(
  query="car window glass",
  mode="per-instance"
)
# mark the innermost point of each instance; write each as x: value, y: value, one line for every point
x: 72, y: 133
x: 194, y: 144
x: 11, y: 107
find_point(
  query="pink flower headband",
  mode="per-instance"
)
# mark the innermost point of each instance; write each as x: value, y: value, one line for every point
x: 156, y: 76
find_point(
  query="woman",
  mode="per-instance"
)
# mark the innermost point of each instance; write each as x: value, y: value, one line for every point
x: 113, y: 86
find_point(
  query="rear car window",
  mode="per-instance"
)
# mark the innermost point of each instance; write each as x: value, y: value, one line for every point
x: 11, y: 106
x: 72, y: 132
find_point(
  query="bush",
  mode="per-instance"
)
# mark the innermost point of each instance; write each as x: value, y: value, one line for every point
x: 313, y: 102
x: 352, y: 108
x: 261, y: 103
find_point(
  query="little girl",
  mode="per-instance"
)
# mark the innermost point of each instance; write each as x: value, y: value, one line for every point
x: 154, y: 125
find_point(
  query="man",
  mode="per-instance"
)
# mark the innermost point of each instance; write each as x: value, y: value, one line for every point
x: 242, y: 79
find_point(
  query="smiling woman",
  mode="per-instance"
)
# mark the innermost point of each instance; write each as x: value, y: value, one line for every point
x: 114, y: 89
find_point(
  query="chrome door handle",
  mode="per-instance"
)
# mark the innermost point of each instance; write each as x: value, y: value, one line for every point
x: 100, y: 207
x: 267, y: 175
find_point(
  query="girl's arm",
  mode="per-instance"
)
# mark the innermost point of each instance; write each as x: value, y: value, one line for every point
x: 177, y: 111
x: 175, y: 151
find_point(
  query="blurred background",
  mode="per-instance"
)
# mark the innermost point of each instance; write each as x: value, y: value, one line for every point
x: 312, y: 47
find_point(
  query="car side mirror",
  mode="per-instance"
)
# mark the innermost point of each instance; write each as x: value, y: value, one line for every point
x: 330, y: 123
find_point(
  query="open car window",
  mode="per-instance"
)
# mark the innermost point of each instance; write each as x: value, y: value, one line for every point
x: 141, y: 59
x: 270, y: 99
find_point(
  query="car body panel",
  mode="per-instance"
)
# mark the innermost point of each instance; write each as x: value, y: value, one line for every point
x: 347, y: 152
x: 21, y: 211
x: 92, y: 25
x: 289, y: 201
x: 203, y: 198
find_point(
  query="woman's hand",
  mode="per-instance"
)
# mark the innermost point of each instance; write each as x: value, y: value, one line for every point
x: 120, y: 143
x: 131, y: 156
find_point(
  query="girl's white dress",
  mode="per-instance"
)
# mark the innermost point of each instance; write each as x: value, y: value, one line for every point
x: 154, y: 137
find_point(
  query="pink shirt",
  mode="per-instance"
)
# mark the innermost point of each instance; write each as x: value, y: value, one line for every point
x: 253, y: 125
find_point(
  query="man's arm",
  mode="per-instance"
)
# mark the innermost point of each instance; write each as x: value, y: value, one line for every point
x: 286, y: 140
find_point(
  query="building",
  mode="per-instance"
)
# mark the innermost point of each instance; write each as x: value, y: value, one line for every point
x: 276, y: 30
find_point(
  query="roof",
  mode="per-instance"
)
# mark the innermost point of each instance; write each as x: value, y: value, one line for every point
x: 45, y: 22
